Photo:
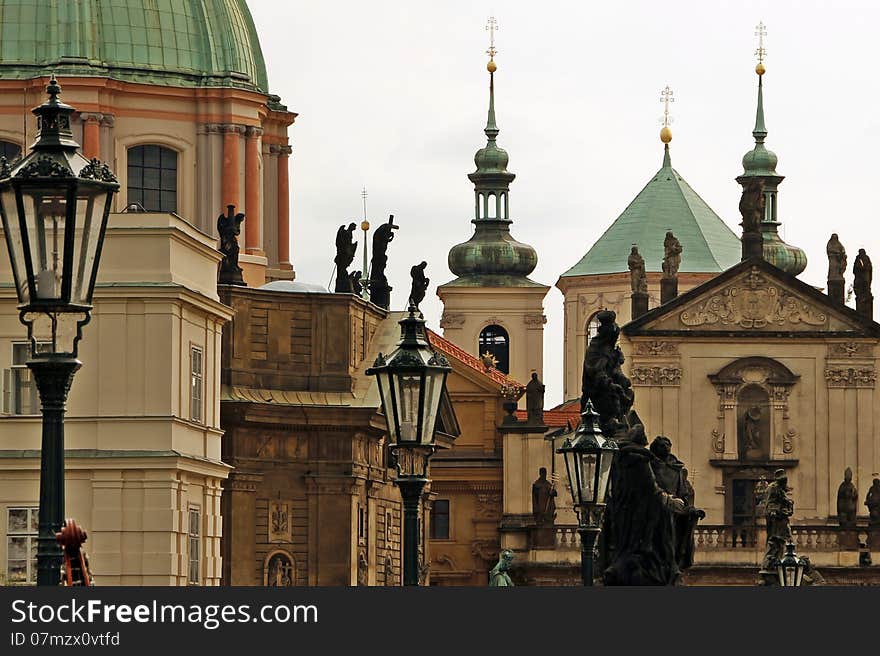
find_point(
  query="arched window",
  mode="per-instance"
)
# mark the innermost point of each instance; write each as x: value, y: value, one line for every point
x: 9, y: 150
x: 152, y: 178
x: 495, y: 342
x: 592, y: 328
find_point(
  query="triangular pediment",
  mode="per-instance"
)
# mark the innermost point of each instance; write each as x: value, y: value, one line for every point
x: 753, y: 297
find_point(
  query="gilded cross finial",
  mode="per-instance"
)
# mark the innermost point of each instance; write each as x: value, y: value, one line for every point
x: 666, y: 98
x: 761, y: 52
x: 491, y: 28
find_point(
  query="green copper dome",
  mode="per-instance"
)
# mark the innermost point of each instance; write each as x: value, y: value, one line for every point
x: 492, y: 257
x: 666, y: 203
x: 190, y: 43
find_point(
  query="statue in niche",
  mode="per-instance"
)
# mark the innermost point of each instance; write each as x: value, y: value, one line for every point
x: 751, y: 205
x: 671, y: 476
x: 389, y: 571
x: 362, y: 569
x: 641, y: 517
x: 543, y: 499
x: 752, y: 429
x: 380, y: 291
x: 836, y: 258
x: 863, y: 275
x: 847, y: 501
x: 535, y: 401
x: 872, y: 501
x: 638, y: 279
x: 499, y: 576
x: 778, y: 508
x: 603, y: 379
x: 229, y: 228
x: 279, y: 571
x: 419, y: 284
x: 671, y: 255
x: 346, y: 247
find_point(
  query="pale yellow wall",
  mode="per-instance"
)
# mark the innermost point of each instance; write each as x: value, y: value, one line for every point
x: 586, y: 295
x: 519, y: 310
x: 156, y: 295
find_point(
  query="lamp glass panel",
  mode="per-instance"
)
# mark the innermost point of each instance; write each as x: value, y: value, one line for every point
x: 606, y: 458
x: 384, y: 380
x: 433, y: 391
x: 407, y: 385
x: 45, y: 217
x: 588, y: 477
x: 12, y: 226
x: 568, y: 457
x: 90, y: 205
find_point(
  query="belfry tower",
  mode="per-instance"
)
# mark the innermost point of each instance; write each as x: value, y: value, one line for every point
x: 492, y: 308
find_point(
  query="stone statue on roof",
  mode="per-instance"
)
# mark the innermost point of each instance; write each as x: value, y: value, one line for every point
x: 671, y: 255
x: 836, y: 258
x: 638, y: 279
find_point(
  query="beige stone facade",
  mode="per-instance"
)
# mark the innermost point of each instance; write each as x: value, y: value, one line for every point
x: 141, y: 453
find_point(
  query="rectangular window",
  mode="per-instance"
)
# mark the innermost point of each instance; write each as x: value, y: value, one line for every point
x: 196, y: 382
x: 20, y: 395
x: 21, y: 545
x: 195, y: 546
x: 440, y: 520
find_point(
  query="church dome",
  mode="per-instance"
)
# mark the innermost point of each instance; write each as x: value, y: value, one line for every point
x: 182, y: 43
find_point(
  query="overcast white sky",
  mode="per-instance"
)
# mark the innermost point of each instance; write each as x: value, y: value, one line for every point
x: 392, y: 95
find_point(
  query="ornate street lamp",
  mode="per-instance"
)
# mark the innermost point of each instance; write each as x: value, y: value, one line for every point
x: 790, y: 568
x: 588, y: 457
x: 411, y: 380
x: 54, y: 204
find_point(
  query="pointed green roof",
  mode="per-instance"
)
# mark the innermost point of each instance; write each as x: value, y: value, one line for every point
x: 666, y: 203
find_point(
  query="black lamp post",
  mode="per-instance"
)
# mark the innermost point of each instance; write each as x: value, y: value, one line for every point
x: 54, y: 204
x: 790, y: 568
x: 588, y: 457
x: 411, y: 380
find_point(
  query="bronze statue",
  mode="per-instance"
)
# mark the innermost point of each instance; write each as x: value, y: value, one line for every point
x: 380, y: 290
x: 498, y: 576
x: 603, y: 379
x: 419, y: 284
x: 671, y: 476
x: 75, y: 567
x: 847, y: 501
x: 778, y: 507
x: 836, y: 258
x: 671, y: 255
x: 637, y: 276
x: 751, y: 205
x: 873, y: 503
x: 346, y: 247
x: 640, y: 519
x: 229, y: 228
x: 535, y: 401
x: 543, y: 499
x: 863, y: 274
x: 355, y: 278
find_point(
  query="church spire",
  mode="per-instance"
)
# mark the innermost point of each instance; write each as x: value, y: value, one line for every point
x: 491, y: 181
x: 759, y: 165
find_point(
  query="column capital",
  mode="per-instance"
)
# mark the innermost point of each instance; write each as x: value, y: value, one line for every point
x: 253, y: 132
x: 285, y: 150
x: 231, y: 128
x: 91, y: 117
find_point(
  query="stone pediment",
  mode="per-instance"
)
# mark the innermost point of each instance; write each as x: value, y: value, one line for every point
x: 752, y: 298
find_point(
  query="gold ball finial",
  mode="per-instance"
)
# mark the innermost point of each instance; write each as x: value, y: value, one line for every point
x: 759, y: 68
x: 491, y: 66
x: 665, y: 134
x: 365, y: 225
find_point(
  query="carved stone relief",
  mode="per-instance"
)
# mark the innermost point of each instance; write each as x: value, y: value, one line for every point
x: 851, y: 377
x: 589, y: 302
x: 280, y: 521
x: 655, y: 375
x: 656, y: 348
x: 753, y: 303
x: 534, y: 319
x: 279, y: 571
x: 452, y: 320
x: 488, y: 505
